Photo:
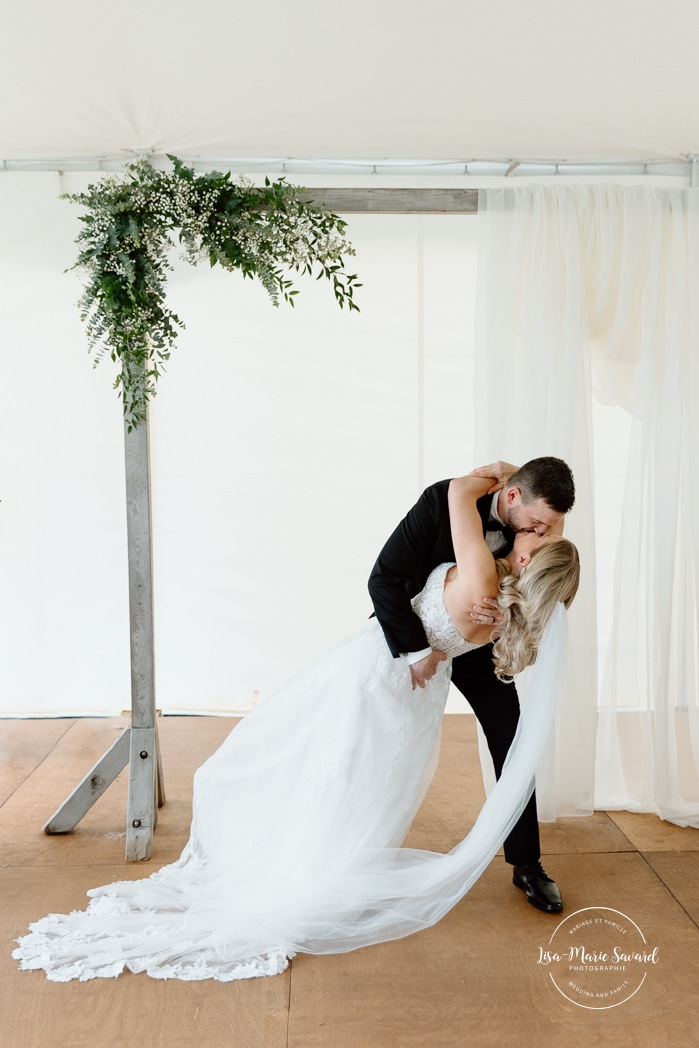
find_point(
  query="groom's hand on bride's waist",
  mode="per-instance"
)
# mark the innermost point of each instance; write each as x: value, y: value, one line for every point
x: 426, y: 668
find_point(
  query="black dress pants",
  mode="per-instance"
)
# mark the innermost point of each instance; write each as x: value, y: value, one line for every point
x: 497, y: 707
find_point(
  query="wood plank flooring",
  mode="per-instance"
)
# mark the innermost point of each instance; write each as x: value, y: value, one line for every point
x: 471, y: 980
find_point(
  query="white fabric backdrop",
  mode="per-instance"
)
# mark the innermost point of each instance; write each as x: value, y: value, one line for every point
x: 533, y: 381
x: 286, y: 446
x: 570, y: 276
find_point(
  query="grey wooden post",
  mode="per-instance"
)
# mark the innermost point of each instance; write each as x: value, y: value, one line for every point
x: 143, y: 757
x: 138, y: 744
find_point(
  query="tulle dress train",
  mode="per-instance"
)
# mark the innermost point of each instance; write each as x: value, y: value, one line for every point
x: 297, y: 823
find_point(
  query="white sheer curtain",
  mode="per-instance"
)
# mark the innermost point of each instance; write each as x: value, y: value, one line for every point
x: 531, y: 375
x: 594, y: 286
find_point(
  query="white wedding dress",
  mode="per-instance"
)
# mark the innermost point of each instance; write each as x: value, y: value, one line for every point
x: 297, y: 823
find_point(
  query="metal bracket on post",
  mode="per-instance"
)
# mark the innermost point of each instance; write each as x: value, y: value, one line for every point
x: 138, y: 744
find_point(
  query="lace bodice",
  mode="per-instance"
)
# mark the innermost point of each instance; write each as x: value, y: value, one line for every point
x: 429, y: 605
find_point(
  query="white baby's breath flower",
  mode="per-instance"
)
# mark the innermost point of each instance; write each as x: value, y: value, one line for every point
x: 125, y: 246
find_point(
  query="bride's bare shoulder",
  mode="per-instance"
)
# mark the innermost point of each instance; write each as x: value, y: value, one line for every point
x: 460, y: 596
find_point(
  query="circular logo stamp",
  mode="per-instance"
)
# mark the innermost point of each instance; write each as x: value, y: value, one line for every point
x: 598, y: 957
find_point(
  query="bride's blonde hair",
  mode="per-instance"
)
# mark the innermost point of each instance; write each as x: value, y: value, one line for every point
x: 528, y: 600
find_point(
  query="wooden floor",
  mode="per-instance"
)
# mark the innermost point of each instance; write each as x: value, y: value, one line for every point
x: 472, y: 980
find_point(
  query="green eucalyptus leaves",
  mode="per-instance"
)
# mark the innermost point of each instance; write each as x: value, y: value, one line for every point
x: 265, y: 232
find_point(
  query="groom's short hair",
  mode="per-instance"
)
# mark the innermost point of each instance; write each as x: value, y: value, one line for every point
x: 546, y: 478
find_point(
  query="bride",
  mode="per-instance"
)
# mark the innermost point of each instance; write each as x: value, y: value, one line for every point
x: 298, y: 817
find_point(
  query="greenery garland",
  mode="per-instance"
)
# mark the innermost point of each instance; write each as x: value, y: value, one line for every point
x: 126, y: 238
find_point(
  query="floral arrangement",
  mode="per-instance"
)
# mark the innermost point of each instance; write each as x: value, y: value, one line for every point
x: 264, y: 232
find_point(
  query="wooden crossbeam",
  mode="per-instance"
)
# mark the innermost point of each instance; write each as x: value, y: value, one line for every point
x: 394, y: 201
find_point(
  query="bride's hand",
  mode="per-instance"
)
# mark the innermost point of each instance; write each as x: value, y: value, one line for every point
x: 426, y: 668
x: 499, y: 472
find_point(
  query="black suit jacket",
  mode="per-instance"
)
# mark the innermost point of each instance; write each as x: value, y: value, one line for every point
x: 421, y: 541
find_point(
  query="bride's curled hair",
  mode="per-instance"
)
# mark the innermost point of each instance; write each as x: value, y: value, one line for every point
x: 528, y: 600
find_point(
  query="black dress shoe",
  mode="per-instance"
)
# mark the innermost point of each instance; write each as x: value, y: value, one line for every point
x: 541, y: 890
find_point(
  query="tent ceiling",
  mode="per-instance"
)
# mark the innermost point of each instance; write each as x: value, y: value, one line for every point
x: 588, y: 80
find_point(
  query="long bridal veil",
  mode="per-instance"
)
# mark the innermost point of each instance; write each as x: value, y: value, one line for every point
x: 406, y: 890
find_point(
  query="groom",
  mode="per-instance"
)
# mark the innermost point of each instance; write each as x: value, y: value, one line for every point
x: 534, y: 497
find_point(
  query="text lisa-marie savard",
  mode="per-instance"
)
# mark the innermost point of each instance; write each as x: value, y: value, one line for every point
x: 581, y: 955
